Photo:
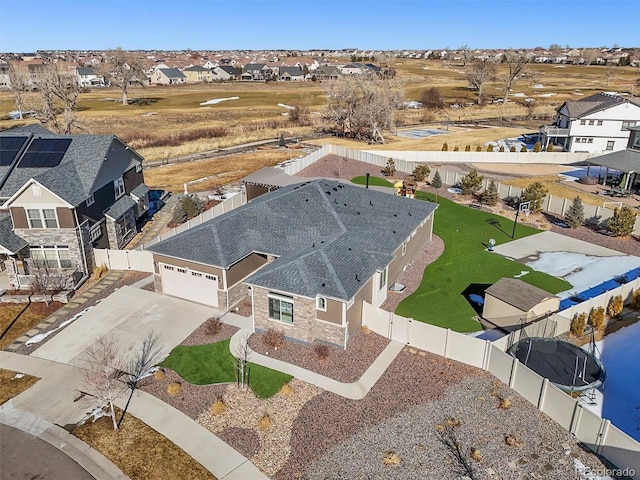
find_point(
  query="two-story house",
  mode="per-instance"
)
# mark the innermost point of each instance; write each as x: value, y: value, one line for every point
x: 198, y: 74
x: 88, y: 77
x: 598, y: 123
x: 290, y: 74
x: 168, y: 76
x: 226, y: 72
x: 61, y: 196
x: 256, y: 72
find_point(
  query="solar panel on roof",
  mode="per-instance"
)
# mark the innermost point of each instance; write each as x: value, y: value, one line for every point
x: 9, y: 148
x: 45, y: 152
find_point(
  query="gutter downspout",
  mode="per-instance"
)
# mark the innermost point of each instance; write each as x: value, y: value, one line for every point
x: 84, y: 255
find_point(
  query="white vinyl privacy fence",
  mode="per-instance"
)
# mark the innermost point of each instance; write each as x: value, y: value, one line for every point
x: 124, y: 259
x: 597, y: 433
x: 407, y: 161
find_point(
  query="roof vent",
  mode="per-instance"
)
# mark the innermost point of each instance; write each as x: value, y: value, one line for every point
x: 370, y: 203
x: 324, y: 285
x: 357, y: 278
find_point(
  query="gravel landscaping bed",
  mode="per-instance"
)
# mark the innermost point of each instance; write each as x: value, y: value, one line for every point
x: 334, y: 166
x: 539, y: 447
x: 363, y: 348
x: 412, y: 276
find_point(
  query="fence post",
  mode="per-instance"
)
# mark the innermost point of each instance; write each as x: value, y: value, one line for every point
x: 487, y: 355
x: 543, y: 393
x: 575, y: 418
x: 514, y: 368
x: 602, y: 435
x: 446, y: 342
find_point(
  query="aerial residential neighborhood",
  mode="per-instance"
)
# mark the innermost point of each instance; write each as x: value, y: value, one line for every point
x: 272, y: 241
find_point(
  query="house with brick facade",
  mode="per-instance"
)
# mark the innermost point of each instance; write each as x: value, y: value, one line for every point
x: 306, y: 255
x: 61, y: 196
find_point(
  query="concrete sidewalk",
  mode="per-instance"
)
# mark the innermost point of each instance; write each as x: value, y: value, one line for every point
x: 54, y: 401
x: 355, y: 391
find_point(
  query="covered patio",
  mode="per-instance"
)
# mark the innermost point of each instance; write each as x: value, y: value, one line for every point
x: 627, y: 162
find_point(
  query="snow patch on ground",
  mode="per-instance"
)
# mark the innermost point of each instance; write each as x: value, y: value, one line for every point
x: 18, y: 376
x: 215, y: 101
x: 538, y: 85
x: 288, y: 107
x: 547, y: 95
x: 583, y: 271
x: 518, y: 95
x: 521, y: 274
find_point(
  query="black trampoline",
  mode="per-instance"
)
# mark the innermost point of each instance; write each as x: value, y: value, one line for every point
x: 567, y: 366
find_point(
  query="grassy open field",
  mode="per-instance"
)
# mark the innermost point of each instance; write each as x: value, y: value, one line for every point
x: 161, y: 111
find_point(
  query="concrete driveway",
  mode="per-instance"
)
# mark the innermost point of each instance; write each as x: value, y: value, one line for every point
x: 129, y: 314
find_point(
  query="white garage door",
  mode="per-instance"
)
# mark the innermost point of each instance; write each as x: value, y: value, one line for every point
x: 189, y: 284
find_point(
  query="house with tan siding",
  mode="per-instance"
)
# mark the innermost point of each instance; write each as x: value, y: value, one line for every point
x: 306, y: 255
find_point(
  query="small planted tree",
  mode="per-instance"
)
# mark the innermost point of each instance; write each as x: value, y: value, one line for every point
x: 575, y: 215
x: 501, y: 148
x: 537, y: 147
x: 390, y: 169
x: 467, y: 148
x: 445, y: 147
x: 622, y: 222
x: 596, y: 318
x: 550, y: 147
x: 421, y: 172
x: 489, y: 148
x: 436, y: 183
x: 535, y: 194
x: 578, y: 323
x: 478, y: 148
x: 471, y: 182
x: 523, y: 149
x: 490, y: 195
x: 615, y: 306
x: 455, y: 149
x: 512, y: 149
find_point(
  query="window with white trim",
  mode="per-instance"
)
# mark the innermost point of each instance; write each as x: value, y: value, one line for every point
x: 592, y: 122
x: 321, y: 304
x: 42, y: 218
x: 599, y: 123
x: 138, y: 167
x: 383, y: 279
x: 626, y: 124
x: 90, y: 200
x: 96, y: 232
x: 51, y: 256
x: 118, y: 186
x: 583, y: 122
x: 280, y: 307
x: 610, y: 144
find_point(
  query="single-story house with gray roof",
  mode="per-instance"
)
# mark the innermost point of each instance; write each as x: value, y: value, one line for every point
x: 307, y: 256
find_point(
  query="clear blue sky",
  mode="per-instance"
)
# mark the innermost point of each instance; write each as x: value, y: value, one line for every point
x: 28, y: 25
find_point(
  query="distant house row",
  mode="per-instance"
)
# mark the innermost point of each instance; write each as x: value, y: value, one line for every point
x: 162, y: 74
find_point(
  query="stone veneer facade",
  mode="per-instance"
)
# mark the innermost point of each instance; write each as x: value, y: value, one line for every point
x: 117, y: 239
x: 305, y: 327
x: 69, y: 237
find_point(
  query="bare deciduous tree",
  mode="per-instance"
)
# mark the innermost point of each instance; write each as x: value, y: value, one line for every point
x: 241, y: 360
x: 59, y: 92
x: 20, y: 85
x: 480, y: 72
x: 465, y: 54
x: 45, y: 279
x: 363, y: 105
x: 140, y: 365
x: 589, y: 55
x: 515, y: 63
x: 123, y: 69
x: 101, y: 378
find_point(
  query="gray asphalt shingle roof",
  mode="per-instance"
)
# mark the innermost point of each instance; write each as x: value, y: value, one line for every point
x: 9, y: 240
x: 140, y: 191
x: 593, y: 103
x: 74, y: 179
x: 120, y: 207
x: 624, y: 160
x: 329, y: 237
x: 172, y: 72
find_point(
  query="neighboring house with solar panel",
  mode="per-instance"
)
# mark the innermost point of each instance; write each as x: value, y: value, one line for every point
x: 61, y: 196
x: 306, y: 256
x: 594, y: 124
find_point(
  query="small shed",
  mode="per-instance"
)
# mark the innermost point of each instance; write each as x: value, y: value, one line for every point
x: 509, y: 300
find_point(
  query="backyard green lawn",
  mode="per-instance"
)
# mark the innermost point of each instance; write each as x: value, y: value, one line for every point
x: 377, y: 181
x: 213, y: 363
x: 465, y: 267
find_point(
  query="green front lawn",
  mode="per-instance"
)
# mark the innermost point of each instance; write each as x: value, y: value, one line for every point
x: 377, y: 181
x: 213, y: 363
x: 465, y: 267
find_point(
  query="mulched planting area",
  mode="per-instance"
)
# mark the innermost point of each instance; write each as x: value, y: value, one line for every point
x: 345, y: 366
